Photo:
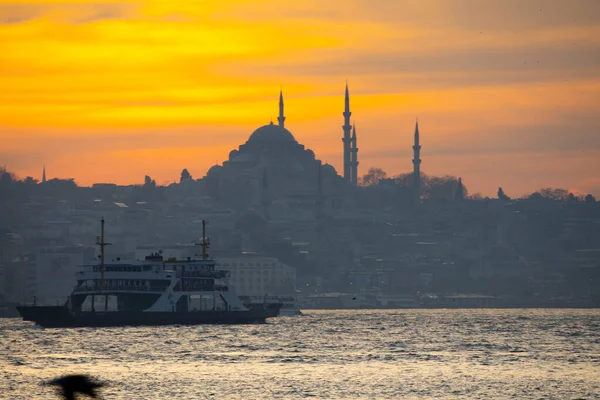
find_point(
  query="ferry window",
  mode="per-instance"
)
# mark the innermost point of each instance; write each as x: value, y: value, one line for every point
x: 250, y: 264
x: 241, y: 264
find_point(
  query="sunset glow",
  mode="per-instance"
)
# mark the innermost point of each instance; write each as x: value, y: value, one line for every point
x: 506, y: 93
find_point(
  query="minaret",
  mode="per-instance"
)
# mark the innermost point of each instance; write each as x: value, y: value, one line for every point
x: 281, y: 118
x: 354, y: 157
x: 347, y: 139
x: 44, y: 174
x: 417, y: 164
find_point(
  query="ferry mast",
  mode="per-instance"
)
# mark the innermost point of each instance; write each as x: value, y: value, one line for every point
x: 100, y: 242
x: 205, y: 241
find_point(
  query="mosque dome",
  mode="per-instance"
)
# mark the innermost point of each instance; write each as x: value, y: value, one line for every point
x: 329, y: 169
x: 214, y: 170
x: 233, y: 154
x: 271, y: 134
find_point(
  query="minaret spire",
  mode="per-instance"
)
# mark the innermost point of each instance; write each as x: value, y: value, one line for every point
x: 281, y: 117
x: 354, y: 157
x: 44, y: 174
x: 347, y: 139
x: 417, y: 164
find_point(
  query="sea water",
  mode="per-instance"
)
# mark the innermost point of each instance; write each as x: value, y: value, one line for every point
x: 394, y: 354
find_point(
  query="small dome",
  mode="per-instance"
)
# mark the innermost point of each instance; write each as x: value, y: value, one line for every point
x: 310, y: 153
x: 233, y: 154
x: 271, y: 134
x: 214, y: 170
x: 329, y: 169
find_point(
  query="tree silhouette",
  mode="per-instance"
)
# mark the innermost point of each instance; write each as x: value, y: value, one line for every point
x: 185, y: 175
x: 30, y: 181
x: 554, y: 194
x: 59, y: 188
x: 536, y: 196
x: 7, y: 177
x: 441, y: 188
x: 502, y: 195
x: 432, y: 187
x: 373, y: 177
x: 406, y: 180
x: 149, y: 182
x: 590, y: 199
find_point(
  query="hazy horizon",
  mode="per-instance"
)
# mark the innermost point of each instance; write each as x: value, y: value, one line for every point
x: 507, y: 94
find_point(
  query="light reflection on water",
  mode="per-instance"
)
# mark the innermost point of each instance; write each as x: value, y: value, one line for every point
x: 409, y: 354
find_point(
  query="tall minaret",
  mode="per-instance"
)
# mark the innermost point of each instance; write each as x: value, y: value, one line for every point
x: 281, y: 118
x: 354, y: 157
x: 417, y: 164
x: 44, y: 174
x: 347, y: 139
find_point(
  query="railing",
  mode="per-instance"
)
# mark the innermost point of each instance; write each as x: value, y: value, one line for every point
x: 121, y: 288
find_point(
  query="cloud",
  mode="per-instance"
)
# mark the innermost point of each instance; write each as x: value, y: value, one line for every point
x: 74, y: 13
x: 16, y: 13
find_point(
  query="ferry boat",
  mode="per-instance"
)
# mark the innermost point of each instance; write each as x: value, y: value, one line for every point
x: 150, y: 292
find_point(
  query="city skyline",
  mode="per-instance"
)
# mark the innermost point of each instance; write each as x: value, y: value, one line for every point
x: 512, y: 104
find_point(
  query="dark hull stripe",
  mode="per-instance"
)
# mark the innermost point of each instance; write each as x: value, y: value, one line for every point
x: 61, y: 317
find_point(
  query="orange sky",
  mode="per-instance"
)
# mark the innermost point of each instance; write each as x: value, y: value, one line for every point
x: 507, y: 93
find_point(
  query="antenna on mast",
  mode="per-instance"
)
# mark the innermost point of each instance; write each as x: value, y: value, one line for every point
x: 100, y: 242
x: 205, y: 241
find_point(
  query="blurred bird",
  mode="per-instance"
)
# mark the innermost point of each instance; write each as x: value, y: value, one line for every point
x: 73, y: 384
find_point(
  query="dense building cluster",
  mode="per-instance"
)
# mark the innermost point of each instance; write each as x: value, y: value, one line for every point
x: 285, y: 223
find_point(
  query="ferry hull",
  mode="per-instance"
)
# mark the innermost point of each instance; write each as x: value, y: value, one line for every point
x: 62, y: 317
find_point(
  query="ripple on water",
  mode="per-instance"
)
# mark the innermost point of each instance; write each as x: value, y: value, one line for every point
x: 418, y: 354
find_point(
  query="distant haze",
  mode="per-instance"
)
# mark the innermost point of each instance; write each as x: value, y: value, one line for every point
x: 507, y: 92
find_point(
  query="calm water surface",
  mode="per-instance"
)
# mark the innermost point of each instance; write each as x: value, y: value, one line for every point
x: 405, y: 354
